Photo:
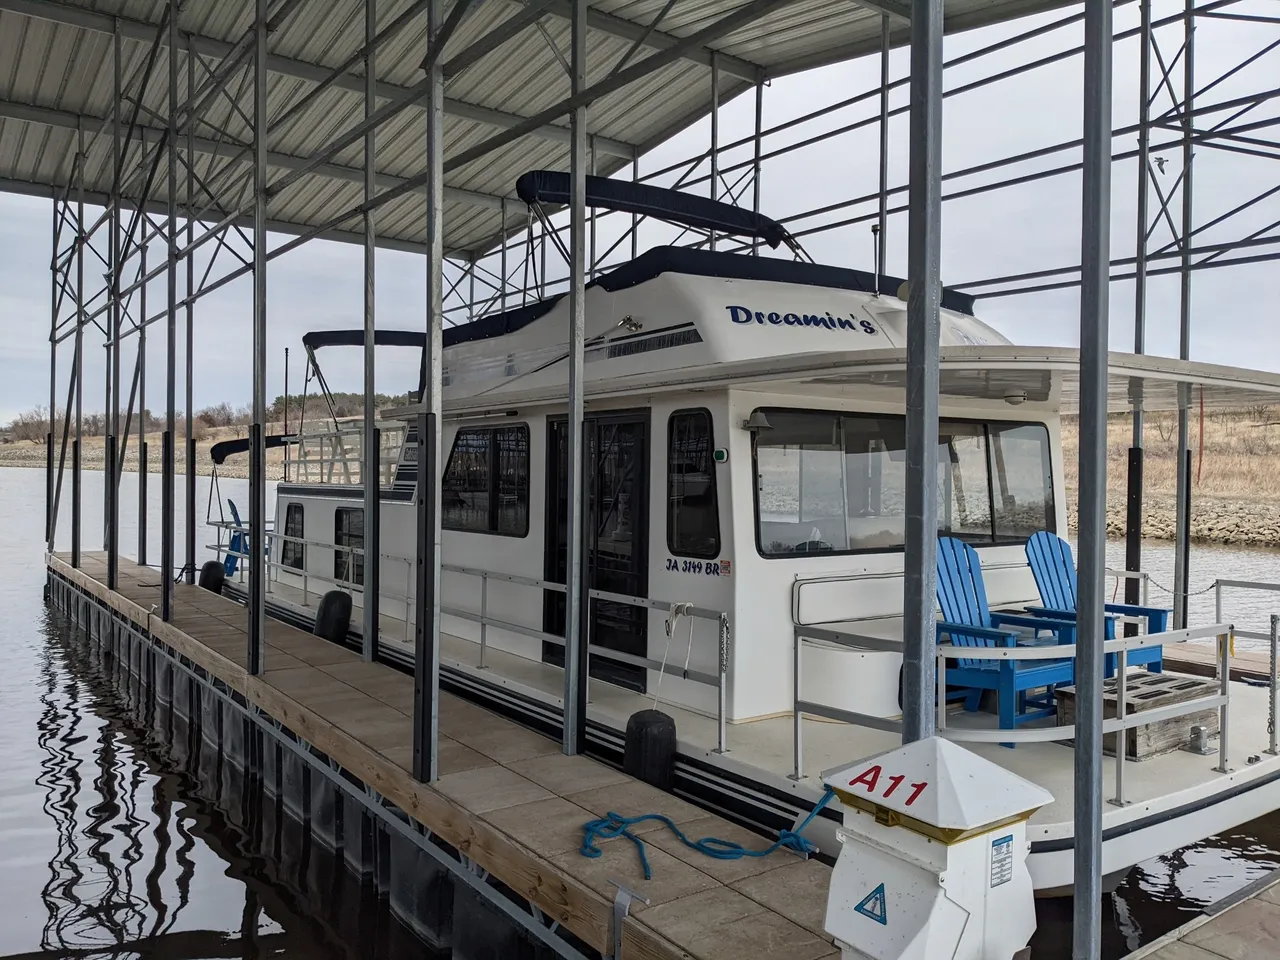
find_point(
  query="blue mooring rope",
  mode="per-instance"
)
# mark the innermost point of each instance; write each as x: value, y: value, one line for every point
x: 614, y: 825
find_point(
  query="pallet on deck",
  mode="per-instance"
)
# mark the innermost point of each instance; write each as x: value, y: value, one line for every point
x: 506, y: 797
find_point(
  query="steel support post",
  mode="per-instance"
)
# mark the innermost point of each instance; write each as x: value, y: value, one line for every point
x: 591, y: 255
x: 167, y: 531
x: 257, y: 451
x: 715, y: 136
x: 882, y: 213
x: 1133, y: 499
x: 111, y: 415
x: 189, y: 304
x: 755, y: 160
x: 142, y: 416
x: 77, y: 365
x: 924, y: 246
x: 426, y: 661
x: 1095, y: 255
x: 370, y: 474
x: 577, y: 603
x: 1182, y: 527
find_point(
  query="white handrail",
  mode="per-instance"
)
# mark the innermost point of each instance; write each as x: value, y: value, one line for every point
x: 1120, y: 725
x: 719, y: 680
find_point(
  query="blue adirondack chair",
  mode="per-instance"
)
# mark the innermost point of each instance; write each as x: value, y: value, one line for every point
x: 969, y: 622
x: 237, y: 545
x: 1055, y: 571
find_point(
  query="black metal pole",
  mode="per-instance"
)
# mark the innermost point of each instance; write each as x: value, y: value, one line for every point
x: 75, y: 502
x: 142, y: 503
x: 113, y: 533
x: 1133, y: 533
x: 285, y: 429
x: 142, y: 418
x: 256, y: 583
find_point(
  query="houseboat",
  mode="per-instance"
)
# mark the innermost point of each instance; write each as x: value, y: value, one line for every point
x: 744, y: 515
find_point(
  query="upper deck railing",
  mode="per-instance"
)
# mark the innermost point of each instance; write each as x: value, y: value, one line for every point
x: 333, y: 452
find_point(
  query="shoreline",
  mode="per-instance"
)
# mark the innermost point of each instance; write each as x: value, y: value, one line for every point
x: 93, y: 458
x: 1229, y: 521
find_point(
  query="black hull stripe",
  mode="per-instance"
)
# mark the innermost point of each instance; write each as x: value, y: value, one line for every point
x: 1143, y: 823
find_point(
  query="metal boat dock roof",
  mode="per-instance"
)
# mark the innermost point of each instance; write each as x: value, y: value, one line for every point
x: 504, y: 68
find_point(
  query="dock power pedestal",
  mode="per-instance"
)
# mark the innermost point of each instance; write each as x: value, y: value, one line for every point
x: 933, y: 854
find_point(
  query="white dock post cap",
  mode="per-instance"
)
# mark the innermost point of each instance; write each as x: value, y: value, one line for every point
x: 937, y: 788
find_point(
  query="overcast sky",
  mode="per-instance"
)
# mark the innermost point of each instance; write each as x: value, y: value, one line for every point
x: 1029, y: 227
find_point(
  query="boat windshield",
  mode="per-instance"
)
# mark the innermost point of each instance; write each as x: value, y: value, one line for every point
x: 831, y: 482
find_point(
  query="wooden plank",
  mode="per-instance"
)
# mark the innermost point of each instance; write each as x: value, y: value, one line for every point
x: 359, y: 714
x: 1202, y: 661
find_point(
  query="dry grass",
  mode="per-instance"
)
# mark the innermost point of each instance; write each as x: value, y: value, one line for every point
x: 1240, y: 458
x: 25, y: 453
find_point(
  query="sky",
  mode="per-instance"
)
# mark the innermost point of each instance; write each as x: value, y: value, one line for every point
x: 1016, y: 228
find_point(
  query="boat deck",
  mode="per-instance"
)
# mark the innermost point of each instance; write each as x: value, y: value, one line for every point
x: 1244, y: 925
x: 763, y: 749
x: 506, y: 796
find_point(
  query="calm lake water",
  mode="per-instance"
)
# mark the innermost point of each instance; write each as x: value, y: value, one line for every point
x: 107, y: 849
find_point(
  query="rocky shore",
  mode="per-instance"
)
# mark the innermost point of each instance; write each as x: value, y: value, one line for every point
x: 1249, y: 523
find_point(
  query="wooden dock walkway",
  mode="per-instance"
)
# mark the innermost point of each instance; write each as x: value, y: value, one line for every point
x: 1202, y: 660
x: 506, y: 796
x: 1243, y: 926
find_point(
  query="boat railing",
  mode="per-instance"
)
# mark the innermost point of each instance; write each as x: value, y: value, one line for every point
x: 1257, y: 585
x: 1142, y: 576
x: 1120, y: 724
x: 717, y: 680
x: 333, y: 452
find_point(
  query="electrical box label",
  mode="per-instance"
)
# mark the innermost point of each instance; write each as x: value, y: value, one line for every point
x: 1001, y: 860
x: 873, y: 905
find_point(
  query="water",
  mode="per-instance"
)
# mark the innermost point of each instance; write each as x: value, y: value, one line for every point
x: 108, y: 850
x: 1247, y: 609
x: 107, y: 847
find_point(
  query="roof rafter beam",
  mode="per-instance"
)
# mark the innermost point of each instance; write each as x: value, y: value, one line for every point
x: 229, y: 148
x: 26, y: 188
x: 630, y: 30
x: 141, y: 31
x: 897, y: 9
x: 743, y: 15
x: 509, y: 29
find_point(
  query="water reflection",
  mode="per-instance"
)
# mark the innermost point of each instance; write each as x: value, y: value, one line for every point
x: 140, y: 864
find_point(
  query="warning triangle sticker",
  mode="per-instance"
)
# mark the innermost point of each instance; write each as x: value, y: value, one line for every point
x: 873, y: 905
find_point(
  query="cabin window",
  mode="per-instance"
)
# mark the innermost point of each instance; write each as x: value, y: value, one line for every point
x: 836, y: 483
x: 348, y: 537
x: 292, y: 553
x: 693, y: 519
x: 486, y: 483
x: 1022, y: 480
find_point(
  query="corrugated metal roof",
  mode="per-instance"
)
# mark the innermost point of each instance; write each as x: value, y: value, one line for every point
x: 56, y: 74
